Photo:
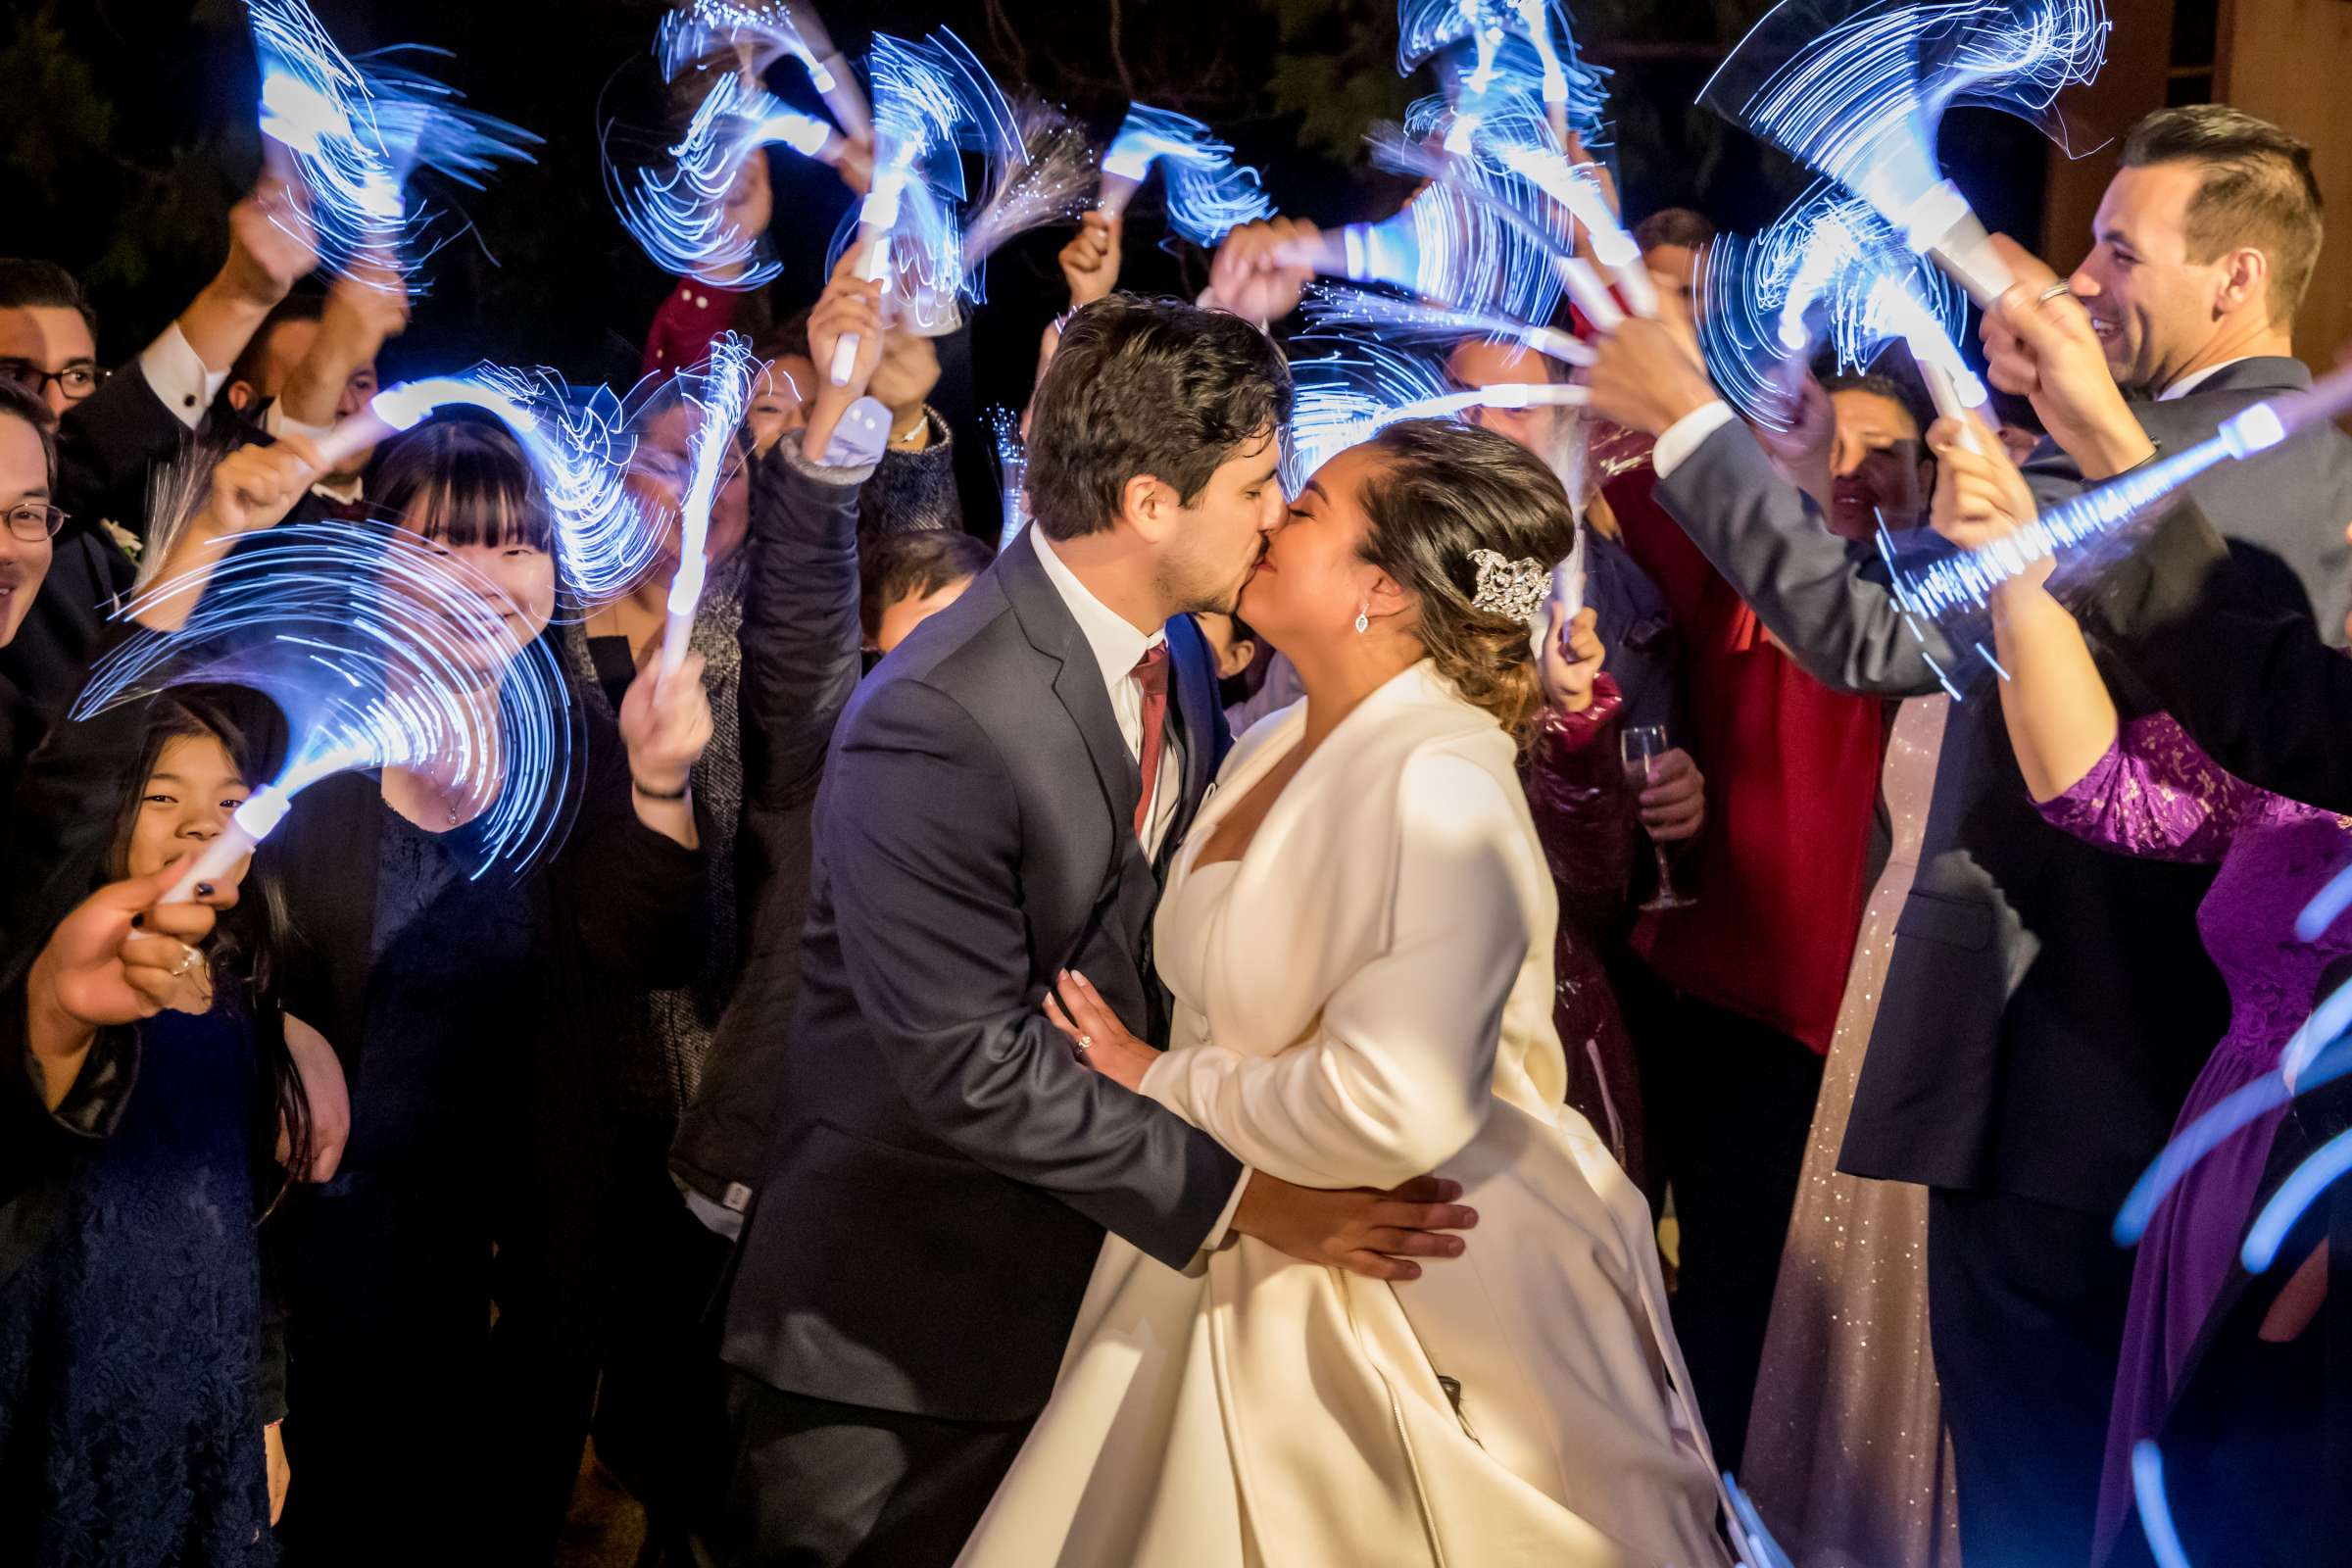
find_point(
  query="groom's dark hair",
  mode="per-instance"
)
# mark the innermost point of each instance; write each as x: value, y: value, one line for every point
x: 1146, y: 386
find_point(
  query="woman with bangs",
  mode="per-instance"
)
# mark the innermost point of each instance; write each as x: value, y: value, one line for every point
x: 448, y: 1289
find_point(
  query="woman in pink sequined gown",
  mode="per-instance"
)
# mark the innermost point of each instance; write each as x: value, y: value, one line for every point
x: 1846, y: 1456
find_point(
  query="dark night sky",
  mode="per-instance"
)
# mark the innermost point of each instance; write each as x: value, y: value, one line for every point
x: 570, y: 288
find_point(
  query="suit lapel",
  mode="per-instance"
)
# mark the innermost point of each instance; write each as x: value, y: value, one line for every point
x: 1053, y: 631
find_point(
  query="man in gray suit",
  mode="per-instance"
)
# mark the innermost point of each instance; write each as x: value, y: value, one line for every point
x: 2047, y: 1004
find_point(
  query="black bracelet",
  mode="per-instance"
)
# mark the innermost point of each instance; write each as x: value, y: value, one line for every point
x: 677, y: 794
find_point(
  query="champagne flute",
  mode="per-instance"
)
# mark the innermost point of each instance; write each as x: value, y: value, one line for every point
x: 1639, y: 747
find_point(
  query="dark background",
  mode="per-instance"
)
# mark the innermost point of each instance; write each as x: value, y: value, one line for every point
x: 127, y: 127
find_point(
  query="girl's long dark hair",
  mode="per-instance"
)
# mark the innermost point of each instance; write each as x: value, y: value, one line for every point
x: 248, y: 947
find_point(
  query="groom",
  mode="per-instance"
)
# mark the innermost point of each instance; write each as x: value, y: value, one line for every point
x: 1003, y: 799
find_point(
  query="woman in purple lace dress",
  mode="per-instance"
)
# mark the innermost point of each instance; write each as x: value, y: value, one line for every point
x: 2143, y: 788
x: 2154, y: 793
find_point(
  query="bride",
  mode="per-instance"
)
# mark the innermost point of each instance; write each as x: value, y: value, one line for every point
x: 1358, y: 938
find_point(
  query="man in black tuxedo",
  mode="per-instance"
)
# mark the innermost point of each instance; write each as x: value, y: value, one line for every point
x: 1004, y: 795
x: 114, y: 430
x: 2047, y: 1004
x: 28, y: 527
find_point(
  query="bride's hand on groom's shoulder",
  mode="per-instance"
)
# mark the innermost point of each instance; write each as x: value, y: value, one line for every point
x: 1102, y: 1041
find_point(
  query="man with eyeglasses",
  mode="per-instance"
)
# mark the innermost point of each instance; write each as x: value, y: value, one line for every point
x: 47, y: 345
x: 29, y: 520
x: 114, y: 427
x: 111, y: 432
x: 313, y: 365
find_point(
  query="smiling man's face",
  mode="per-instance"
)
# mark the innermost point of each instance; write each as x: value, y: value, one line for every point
x: 2152, y: 305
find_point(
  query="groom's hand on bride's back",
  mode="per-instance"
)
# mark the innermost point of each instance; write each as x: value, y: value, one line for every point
x: 1366, y: 1232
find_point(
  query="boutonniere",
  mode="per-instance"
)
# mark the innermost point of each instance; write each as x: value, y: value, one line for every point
x: 130, y: 543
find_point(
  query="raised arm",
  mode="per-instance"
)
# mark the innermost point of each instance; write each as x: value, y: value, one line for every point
x: 1090, y: 266
x: 253, y: 488
x: 1828, y: 602
x: 639, y: 869
x: 2254, y: 686
x: 1825, y: 601
x: 270, y: 248
x: 2143, y: 788
x: 1399, y: 1076
x: 800, y: 635
x: 107, y: 443
x: 363, y: 312
x: 913, y: 487
x: 2039, y: 345
x: 1250, y: 275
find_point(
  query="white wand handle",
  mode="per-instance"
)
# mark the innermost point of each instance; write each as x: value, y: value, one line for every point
x: 1945, y: 229
x: 870, y: 268
x: 1590, y: 294
x: 839, y: 89
x: 1116, y: 192
x: 676, y: 628
x: 1634, y: 283
x: 355, y: 435
x: 248, y: 825
x: 1943, y: 390
x: 876, y: 221
x: 1332, y: 253
x: 685, y: 595
x: 828, y: 73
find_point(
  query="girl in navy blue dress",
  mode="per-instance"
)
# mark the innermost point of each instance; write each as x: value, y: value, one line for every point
x: 154, y: 1115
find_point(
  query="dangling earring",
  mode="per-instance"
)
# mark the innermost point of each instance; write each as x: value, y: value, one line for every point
x: 1364, y: 618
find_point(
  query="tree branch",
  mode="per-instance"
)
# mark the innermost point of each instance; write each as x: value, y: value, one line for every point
x: 1005, y: 38
x: 1118, y: 52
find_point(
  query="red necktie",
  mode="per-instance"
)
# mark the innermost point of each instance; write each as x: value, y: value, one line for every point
x: 1151, y: 674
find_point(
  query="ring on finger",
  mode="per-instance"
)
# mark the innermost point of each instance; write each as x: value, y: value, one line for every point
x: 2052, y: 292
x: 187, y: 960
x: 1086, y: 1043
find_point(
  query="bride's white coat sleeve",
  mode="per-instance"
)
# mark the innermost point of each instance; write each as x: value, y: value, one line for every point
x: 1398, y: 1076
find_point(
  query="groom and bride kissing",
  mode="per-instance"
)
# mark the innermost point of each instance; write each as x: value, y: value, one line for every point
x: 1173, y: 1166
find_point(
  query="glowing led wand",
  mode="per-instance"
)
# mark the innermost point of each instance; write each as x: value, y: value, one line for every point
x: 828, y: 73
x: 875, y: 219
x: 2084, y: 532
x: 724, y: 392
x: 1955, y: 389
x: 1566, y: 183
x: 379, y: 652
x: 1209, y: 195
x: 580, y: 456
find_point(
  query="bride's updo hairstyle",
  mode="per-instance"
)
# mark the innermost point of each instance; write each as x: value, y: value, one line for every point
x: 1441, y: 490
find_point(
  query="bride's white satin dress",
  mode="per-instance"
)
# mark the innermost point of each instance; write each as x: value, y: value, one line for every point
x: 1365, y: 997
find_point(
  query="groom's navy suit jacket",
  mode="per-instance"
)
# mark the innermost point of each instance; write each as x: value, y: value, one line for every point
x: 945, y: 1169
